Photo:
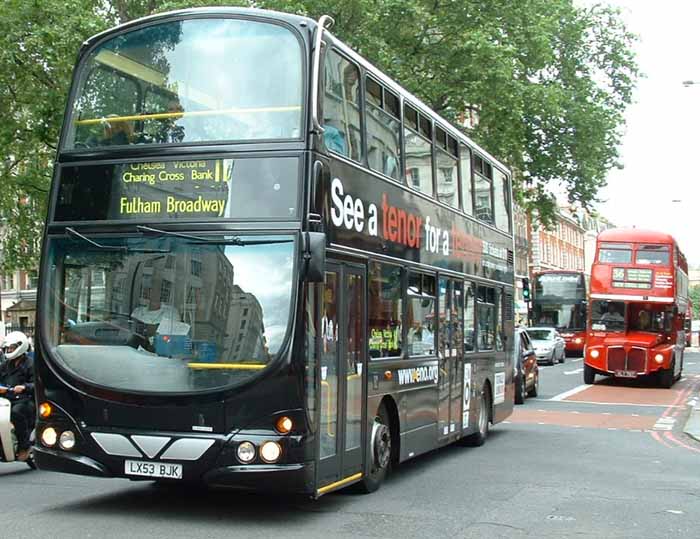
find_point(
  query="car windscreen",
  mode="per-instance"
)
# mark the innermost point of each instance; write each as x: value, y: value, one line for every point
x: 540, y: 334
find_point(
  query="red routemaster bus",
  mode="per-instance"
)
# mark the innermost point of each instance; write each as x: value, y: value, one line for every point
x: 639, y: 297
x: 560, y: 301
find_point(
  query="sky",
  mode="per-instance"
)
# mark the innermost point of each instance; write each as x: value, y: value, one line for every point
x: 658, y: 187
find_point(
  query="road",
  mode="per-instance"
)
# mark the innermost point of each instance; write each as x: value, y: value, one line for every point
x: 602, y: 461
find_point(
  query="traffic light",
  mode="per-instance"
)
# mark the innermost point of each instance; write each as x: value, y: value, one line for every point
x: 526, y: 289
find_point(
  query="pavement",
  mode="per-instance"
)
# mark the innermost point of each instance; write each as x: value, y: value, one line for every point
x: 692, y: 425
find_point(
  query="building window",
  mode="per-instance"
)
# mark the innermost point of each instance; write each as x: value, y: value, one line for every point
x: 165, y: 291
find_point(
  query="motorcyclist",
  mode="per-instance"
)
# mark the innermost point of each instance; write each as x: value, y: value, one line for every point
x: 17, y: 377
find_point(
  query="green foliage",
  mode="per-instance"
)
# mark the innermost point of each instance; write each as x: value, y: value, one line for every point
x: 694, y: 294
x: 549, y: 82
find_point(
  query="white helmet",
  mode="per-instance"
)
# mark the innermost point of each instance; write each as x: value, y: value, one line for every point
x: 16, y: 343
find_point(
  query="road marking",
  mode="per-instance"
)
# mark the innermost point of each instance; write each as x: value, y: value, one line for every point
x: 574, y: 372
x: 573, y: 391
x: 690, y: 363
x: 577, y: 360
x: 664, y: 423
x: 612, y: 403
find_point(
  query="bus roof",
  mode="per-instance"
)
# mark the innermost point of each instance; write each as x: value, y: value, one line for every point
x: 635, y: 235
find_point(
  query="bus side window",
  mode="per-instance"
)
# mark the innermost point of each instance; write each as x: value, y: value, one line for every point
x: 469, y: 314
x: 341, y: 107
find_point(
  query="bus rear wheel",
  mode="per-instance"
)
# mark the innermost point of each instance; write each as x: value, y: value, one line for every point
x: 588, y: 374
x: 479, y: 437
x: 380, y: 451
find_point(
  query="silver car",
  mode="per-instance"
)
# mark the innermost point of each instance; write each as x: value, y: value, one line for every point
x: 549, y: 345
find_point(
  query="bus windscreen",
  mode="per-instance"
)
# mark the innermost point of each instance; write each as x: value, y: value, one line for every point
x: 168, y: 314
x: 200, y: 80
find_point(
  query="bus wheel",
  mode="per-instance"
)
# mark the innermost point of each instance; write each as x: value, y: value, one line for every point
x: 479, y: 437
x: 588, y: 374
x: 666, y: 377
x: 380, y: 451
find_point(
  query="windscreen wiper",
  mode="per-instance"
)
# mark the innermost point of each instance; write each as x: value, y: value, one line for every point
x: 226, y: 240
x: 119, y: 248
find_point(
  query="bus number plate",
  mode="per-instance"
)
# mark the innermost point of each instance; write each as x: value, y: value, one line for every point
x: 153, y: 469
x: 626, y: 374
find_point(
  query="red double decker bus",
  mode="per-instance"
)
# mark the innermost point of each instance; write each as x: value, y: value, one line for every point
x: 639, y: 300
x: 559, y: 301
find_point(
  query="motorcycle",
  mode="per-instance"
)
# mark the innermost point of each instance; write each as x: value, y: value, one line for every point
x: 8, y: 439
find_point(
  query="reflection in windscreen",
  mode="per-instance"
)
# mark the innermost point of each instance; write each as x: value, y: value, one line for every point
x: 190, y: 81
x: 170, y: 314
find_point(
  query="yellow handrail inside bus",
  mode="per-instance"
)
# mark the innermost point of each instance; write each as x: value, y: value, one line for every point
x: 164, y: 115
x: 228, y: 366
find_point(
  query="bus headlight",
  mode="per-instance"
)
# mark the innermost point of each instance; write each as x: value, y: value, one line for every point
x: 578, y: 340
x: 245, y: 452
x: 595, y: 354
x: 659, y: 358
x: 270, y: 452
x: 66, y: 440
x: 49, y: 437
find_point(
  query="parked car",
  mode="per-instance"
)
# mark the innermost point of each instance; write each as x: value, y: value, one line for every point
x: 549, y: 345
x: 526, y: 373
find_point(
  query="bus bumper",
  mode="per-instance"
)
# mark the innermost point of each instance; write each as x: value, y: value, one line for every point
x: 292, y: 478
x: 60, y: 461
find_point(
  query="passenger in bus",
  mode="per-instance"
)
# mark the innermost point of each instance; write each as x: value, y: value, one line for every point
x: 612, y: 314
x: 117, y: 132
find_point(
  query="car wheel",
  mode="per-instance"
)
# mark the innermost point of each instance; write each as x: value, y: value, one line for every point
x: 588, y: 374
x: 553, y: 359
x: 520, y: 390
x: 535, y: 386
x: 380, y: 451
x: 563, y: 357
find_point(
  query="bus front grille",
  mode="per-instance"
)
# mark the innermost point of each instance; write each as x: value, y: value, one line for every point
x: 635, y: 360
x: 616, y: 358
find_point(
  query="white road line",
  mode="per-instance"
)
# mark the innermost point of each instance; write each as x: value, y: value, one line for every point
x: 581, y: 359
x: 574, y: 372
x: 566, y: 394
x: 690, y: 362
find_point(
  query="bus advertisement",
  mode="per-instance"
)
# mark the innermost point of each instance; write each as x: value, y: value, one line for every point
x: 560, y: 301
x: 639, y: 299
x: 266, y: 265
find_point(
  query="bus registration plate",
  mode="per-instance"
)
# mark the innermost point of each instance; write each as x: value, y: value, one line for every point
x: 153, y: 469
x: 626, y: 374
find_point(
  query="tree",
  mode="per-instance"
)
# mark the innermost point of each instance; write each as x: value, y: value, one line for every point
x: 549, y: 82
x: 694, y: 294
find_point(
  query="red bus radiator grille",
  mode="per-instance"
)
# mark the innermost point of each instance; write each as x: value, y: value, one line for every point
x: 636, y: 360
x: 616, y: 359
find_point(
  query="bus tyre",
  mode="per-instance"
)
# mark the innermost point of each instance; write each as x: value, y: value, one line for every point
x: 666, y: 377
x: 479, y: 437
x: 588, y: 374
x: 535, y: 386
x: 380, y: 451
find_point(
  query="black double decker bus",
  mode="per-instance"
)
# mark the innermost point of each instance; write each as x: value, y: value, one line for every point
x: 266, y: 265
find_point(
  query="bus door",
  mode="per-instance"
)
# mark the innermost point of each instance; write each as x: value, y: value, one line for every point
x: 342, y: 365
x: 451, y: 309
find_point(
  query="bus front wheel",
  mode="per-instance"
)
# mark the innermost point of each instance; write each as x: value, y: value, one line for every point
x: 666, y: 376
x: 380, y: 451
x: 588, y: 374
